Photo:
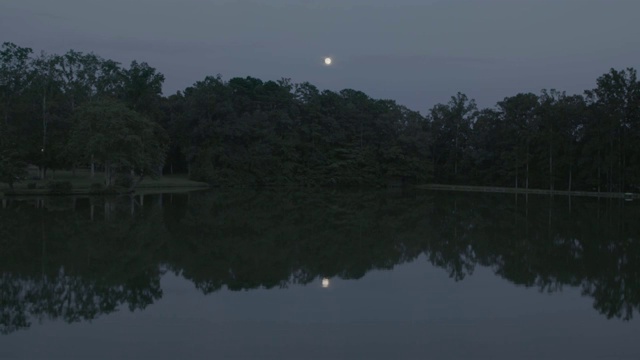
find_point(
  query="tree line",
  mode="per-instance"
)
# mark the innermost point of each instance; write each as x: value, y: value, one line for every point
x: 80, y: 110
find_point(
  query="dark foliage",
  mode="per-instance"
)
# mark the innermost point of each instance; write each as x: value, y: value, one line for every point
x: 246, y: 131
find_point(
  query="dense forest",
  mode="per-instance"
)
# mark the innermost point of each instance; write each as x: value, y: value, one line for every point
x: 79, y: 110
x: 80, y: 258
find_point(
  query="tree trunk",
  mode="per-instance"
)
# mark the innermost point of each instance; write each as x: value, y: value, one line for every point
x: 107, y: 173
x: 44, y: 131
x: 517, y: 170
x: 620, y: 156
x: 550, y: 167
x: 93, y: 167
x: 455, y: 158
x: 107, y: 210
x: 611, y: 166
x: 136, y: 183
x: 599, y: 167
x: 527, y: 180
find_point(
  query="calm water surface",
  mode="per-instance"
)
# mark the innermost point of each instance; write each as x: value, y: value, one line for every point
x: 319, y: 275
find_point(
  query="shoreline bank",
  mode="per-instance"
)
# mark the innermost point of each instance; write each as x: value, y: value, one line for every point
x: 497, y: 189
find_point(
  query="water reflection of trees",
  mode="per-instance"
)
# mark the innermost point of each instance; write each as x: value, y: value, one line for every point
x: 74, y: 259
x: 59, y: 263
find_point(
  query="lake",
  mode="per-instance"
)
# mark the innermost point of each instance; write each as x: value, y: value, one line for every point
x: 319, y: 274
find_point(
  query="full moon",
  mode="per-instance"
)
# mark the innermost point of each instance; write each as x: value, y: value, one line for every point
x: 327, y: 61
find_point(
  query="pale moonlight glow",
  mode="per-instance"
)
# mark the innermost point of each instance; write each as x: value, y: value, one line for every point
x: 325, y: 283
x: 327, y: 61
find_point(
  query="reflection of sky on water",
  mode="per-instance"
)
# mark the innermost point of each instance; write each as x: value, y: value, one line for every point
x: 414, y: 311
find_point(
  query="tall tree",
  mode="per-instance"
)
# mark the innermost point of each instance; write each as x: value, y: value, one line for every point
x: 110, y: 80
x: 46, y: 80
x: 15, y: 63
x: 119, y: 138
x: 79, y: 76
x: 12, y: 167
x: 488, y: 143
x: 142, y: 88
x: 616, y: 106
x: 451, y: 124
x: 519, y: 114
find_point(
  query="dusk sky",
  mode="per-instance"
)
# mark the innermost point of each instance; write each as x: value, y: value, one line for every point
x: 418, y: 53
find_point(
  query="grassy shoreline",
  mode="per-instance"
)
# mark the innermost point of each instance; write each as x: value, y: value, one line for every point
x: 496, y: 189
x: 81, y: 183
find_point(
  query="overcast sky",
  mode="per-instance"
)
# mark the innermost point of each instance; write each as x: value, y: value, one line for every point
x: 418, y: 52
